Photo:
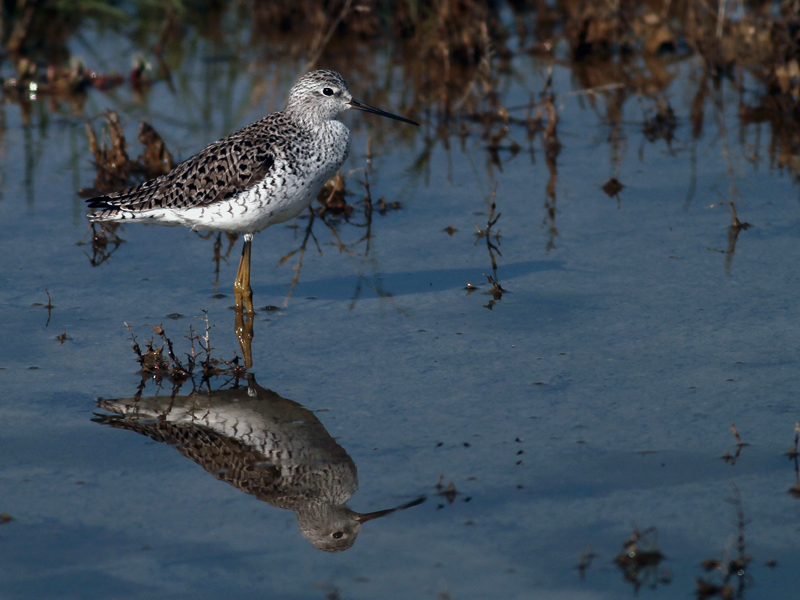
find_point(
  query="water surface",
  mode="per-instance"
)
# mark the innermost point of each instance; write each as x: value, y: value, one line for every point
x: 592, y: 399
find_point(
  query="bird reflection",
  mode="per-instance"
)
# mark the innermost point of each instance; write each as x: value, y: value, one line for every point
x: 263, y: 444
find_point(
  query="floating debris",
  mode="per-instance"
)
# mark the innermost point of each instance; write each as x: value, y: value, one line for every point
x: 793, y: 455
x: 447, y: 492
x: 640, y: 558
x: 497, y: 290
x: 49, y: 306
x: 735, y: 228
x: 727, y: 578
x: 612, y: 188
x: 199, y: 360
x: 584, y: 561
x: 731, y: 458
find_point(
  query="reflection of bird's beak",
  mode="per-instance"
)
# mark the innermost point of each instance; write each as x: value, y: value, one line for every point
x: 364, y: 517
x: 371, y: 109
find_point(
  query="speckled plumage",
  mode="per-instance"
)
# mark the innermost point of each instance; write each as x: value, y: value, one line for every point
x: 266, y: 173
x: 262, y: 174
x: 260, y: 443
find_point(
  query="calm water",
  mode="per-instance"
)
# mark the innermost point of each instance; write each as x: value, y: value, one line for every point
x: 594, y: 397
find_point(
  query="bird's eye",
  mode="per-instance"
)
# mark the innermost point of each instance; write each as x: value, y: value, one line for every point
x: 337, y: 535
x: 328, y: 92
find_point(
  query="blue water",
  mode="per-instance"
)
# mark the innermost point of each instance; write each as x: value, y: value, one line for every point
x: 596, y: 395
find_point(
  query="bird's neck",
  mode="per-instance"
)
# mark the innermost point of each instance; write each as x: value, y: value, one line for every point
x: 308, y: 119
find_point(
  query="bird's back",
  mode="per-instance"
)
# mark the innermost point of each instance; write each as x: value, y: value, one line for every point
x: 264, y: 173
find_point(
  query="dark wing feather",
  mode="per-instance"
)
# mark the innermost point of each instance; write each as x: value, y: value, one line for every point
x: 216, y: 173
x: 228, y: 459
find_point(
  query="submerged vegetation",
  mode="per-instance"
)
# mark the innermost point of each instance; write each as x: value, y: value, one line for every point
x: 465, y: 70
x: 456, y: 57
x: 458, y: 60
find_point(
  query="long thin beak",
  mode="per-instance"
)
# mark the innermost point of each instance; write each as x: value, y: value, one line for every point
x: 364, y: 517
x: 371, y: 109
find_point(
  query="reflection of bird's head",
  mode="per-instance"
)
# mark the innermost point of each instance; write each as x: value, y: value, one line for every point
x: 262, y: 444
x: 330, y: 528
x: 333, y: 528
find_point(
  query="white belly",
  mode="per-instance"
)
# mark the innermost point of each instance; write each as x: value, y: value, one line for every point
x: 288, y: 190
x: 300, y: 169
x: 256, y: 209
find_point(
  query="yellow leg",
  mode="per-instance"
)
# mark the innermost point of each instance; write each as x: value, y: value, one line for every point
x: 243, y: 326
x: 242, y: 291
x: 243, y: 295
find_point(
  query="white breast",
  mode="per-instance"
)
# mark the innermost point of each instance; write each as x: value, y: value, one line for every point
x: 299, y: 172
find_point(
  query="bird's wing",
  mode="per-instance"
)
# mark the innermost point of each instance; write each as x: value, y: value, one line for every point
x: 216, y: 173
x: 228, y: 459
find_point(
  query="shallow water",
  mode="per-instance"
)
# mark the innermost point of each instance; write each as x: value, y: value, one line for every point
x: 594, y: 397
